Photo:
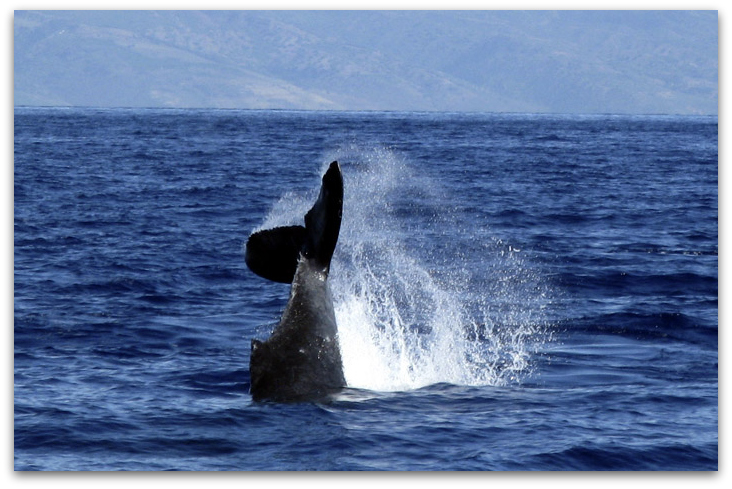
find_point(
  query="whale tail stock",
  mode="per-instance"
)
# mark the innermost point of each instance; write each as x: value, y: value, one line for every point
x: 274, y: 253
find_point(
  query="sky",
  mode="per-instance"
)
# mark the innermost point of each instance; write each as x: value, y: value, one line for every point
x: 491, y: 61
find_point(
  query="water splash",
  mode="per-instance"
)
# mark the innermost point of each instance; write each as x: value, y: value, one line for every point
x: 419, y: 297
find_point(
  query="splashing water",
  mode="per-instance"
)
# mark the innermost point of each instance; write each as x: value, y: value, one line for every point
x: 407, y: 315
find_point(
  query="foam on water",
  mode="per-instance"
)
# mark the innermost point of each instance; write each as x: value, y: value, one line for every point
x: 409, y: 316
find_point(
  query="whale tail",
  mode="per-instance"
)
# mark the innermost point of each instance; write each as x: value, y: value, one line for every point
x: 274, y: 253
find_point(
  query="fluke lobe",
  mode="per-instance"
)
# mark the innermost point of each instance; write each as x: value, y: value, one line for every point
x: 301, y: 360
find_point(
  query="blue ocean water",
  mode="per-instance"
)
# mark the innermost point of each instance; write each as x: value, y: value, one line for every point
x: 513, y: 291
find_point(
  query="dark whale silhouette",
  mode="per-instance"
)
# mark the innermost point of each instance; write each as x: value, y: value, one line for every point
x: 301, y: 361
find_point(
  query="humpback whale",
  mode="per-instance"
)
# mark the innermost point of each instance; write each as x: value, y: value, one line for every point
x: 301, y: 360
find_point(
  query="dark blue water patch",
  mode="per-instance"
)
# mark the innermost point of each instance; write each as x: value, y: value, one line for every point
x: 615, y: 282
x: 610, y: 458
x: 213, y: 383
x: 638, y: 326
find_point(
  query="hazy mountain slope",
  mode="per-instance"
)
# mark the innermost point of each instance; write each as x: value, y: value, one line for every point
x: 493, y: 61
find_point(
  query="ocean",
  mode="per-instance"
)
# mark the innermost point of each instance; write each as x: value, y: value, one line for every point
x: 513, y: 292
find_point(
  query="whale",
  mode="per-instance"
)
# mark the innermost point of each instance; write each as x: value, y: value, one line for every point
x: 301, y: 360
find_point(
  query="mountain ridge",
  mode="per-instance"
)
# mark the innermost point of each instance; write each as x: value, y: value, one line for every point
x: 499, y: 61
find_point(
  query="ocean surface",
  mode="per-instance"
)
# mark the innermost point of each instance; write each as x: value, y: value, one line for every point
x: 513, y: 291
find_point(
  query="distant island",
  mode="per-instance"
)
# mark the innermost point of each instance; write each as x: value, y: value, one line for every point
x: 628, y: 62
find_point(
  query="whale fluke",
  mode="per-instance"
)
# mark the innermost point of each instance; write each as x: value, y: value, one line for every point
x: 273, y: 253
x: 301, y: 360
